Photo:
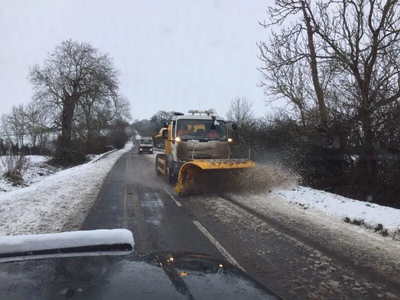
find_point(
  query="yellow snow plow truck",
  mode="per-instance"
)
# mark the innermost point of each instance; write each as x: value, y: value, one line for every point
x: 197, y: 152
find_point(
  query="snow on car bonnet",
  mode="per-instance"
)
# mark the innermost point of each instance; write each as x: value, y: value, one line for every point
x: 67, y: 242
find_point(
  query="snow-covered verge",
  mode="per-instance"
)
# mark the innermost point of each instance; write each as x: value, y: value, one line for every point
x: 102, y: 156
x: 306, y: 206
x: 58, y: 202
x: 37, y: 170
x: 381, y: 219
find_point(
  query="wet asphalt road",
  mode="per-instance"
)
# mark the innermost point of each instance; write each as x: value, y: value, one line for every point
x: 135, y: 198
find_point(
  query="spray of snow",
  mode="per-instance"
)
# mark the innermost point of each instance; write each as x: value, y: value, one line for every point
x: 264, y: 177
x: 255, y: 180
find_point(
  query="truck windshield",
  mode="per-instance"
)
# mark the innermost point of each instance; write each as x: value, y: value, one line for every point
x: 201, y: 130
x: 146, y: 142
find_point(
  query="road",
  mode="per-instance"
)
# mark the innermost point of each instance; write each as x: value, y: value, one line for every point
x: 295, y: 262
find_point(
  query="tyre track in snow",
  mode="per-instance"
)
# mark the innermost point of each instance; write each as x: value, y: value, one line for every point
x: 292, y: 262
x: 391, y: 279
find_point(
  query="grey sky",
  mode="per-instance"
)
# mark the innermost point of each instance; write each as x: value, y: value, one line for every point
x: 172, y: 54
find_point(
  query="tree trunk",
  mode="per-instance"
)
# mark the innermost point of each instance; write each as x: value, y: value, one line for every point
x: 368, y: 159
x: 90, y: 131
x: 65, y: 145
x: 314, y: 68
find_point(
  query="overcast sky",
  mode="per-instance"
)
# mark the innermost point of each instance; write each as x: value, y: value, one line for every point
x: 172, y: 54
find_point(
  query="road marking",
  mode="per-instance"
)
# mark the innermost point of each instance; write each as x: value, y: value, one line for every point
x: 217, y: 245
x: 173, y: 198
x: 124, y: 214
x: 144, y: 237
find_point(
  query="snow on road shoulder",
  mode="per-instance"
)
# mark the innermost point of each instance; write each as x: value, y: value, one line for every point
x: 37, y: 170
x: 59, y: 202
x: 384, y: 219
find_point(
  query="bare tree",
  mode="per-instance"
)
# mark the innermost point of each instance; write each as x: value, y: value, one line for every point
x: 287, y: 51
x: 95, y: 115
x: 70, y: 73
x: 13, y: 125
x: 241, y: 112
x: 5, y: 129
x: 158, y: 120
x: 38, y: 124
x: 357, y: 43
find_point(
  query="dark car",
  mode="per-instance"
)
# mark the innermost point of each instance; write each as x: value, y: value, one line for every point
x: 97, y: 270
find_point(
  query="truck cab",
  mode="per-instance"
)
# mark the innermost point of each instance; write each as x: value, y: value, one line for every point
x: 145, y: 145
x: 199, y: 137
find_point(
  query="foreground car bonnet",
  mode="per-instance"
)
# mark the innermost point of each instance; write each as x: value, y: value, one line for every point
x: 175, y: 275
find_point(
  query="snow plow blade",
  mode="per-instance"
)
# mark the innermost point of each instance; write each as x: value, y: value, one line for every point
x: 205, y: 175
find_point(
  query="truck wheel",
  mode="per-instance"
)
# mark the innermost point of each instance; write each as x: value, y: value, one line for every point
x: 175, y: 175
x: 156, y: 166
x: 168, y: 176
x: 171, y: 176
x: 168, y: 171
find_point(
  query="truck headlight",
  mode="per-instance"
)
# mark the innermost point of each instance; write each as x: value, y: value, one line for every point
x: 230, y: 140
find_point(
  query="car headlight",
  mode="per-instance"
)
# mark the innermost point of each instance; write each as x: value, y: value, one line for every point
x: 140, y: 149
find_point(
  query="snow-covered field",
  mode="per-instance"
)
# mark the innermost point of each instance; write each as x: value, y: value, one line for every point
x: 58, y: 201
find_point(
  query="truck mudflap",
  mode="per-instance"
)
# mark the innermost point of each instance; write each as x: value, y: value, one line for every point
x: 203, y: 175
